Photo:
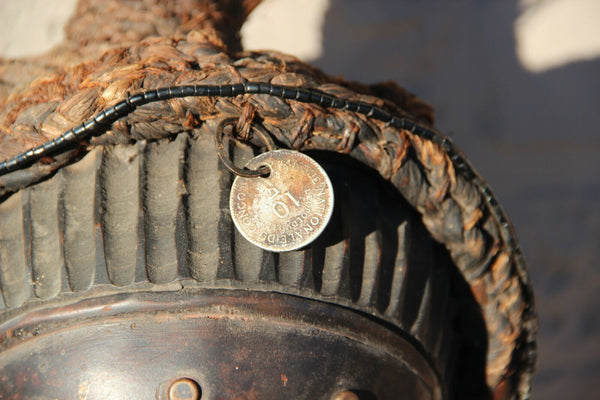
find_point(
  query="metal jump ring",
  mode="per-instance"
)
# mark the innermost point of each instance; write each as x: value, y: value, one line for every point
x: 263, y: 170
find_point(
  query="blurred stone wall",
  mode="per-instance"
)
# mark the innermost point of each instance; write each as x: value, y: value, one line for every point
x: 516, y: 85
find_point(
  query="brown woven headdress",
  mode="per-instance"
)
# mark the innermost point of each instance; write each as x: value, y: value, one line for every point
x: 118, y: 48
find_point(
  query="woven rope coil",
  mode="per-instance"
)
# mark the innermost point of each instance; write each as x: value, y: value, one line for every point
x: 457, y: 208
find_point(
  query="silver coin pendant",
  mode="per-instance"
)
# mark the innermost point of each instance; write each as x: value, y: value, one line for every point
x: 286, y: 210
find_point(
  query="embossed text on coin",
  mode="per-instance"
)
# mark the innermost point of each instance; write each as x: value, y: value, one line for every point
x: 286, y: 210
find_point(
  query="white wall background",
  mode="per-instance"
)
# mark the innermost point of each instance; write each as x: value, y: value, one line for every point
x: 515, y: 83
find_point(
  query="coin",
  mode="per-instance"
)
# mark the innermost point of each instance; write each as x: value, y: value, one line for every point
x: 287, y: 209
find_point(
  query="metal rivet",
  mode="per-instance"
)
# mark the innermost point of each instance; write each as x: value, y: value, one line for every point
x: 346, y: 395
x: 184, y: 389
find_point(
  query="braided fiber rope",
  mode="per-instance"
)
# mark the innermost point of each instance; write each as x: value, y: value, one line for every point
x: 99, y: 25
x: 456, y: 205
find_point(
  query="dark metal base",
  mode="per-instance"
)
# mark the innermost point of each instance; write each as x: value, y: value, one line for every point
x: 208, y: 344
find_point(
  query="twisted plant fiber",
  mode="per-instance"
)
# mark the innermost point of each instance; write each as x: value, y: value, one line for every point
x: 457, y: 208
x: 100, y: 25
